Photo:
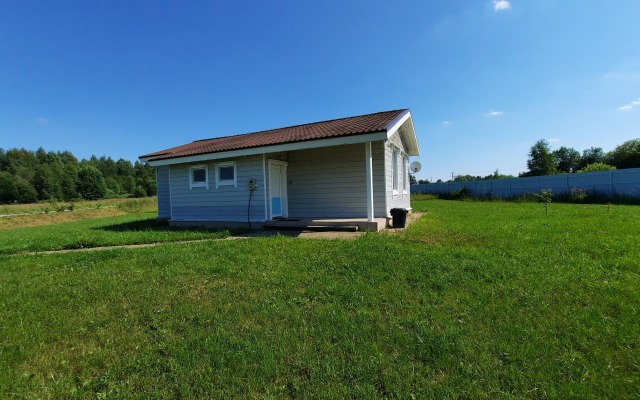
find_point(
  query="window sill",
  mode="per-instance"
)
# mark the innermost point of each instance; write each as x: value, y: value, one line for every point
x: 227, y: 183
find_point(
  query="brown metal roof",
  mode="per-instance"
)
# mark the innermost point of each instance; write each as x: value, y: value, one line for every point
x: 334, y: 128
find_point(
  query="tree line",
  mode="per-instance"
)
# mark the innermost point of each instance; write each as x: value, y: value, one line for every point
x: 30, y: 176
x: 464, y: 178
x: 567, y: 160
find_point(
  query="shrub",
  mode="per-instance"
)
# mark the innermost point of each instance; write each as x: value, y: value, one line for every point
x: 459, y: 194
x: 577, y: 195
x: 139, y: 191
x: 595, y: 167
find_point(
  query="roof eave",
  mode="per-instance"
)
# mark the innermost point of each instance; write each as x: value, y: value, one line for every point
x: 304, y: 145
x: 404, y: 123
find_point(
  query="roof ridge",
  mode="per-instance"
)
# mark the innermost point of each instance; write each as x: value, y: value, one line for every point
x: 299, y: 125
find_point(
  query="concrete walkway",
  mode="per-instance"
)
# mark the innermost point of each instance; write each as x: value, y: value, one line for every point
x: 253, y: 234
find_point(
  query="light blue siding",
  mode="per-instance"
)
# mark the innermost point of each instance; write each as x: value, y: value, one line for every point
x: 164, y: 192
x: 321, y: 183
x: 226, y: 203
x: 401, y: 199
x: 330, y: 182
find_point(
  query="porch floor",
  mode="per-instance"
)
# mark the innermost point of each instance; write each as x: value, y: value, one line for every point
x: 360, y: 224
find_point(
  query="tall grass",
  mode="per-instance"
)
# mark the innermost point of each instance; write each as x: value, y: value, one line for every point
x: 139, y: 205
x: 95, y: 232
x: 146, y: 204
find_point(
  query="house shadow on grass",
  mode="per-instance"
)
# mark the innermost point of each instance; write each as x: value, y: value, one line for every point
x: 150, y: 224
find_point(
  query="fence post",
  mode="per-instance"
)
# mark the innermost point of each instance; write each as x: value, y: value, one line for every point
x: 610, y: 184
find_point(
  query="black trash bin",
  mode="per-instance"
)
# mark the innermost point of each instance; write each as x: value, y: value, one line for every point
x: 399, y: 216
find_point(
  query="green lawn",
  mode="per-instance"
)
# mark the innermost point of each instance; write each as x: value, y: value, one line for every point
x: 475, y: 300
x: 133, y: 228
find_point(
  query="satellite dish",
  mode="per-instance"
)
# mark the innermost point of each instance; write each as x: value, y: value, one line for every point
x: 415, y: 167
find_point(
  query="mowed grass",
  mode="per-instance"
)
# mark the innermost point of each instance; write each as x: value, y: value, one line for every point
x: 475, y: 300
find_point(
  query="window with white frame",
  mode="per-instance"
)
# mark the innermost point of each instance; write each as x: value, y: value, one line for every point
x: 394, y: 170
x: 198, y: 176
x: 226, y: 174
x: 405, y: 179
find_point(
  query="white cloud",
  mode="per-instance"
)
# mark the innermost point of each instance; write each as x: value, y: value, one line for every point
x: 630, y: 106
x: 500, y: 5
x: 493, y: 113
x: 42, y: 121
x: 553, y: 140
x: 445, y: 123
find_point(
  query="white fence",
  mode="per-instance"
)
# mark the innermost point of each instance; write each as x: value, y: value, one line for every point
x: 617, y: 183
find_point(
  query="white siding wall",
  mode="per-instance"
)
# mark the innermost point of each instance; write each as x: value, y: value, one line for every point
x: 402, y: 198
x: 226, y: 203
x: 164, y: 199
x: 330, y: 182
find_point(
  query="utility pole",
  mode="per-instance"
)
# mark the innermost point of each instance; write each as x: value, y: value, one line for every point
x: 452, y: 176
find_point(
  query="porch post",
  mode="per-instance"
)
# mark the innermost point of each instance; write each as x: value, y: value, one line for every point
x: 369, y: 179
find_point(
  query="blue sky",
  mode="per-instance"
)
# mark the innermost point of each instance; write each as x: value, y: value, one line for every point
x: 484, y: 79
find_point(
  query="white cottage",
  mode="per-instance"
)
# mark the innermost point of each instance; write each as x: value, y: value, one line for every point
x: 347, y: 169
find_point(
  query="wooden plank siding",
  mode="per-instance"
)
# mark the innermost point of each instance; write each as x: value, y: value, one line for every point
x: 226, y: 203
x: 330, y: 182
x: 164, y: 193
x: 321, y: 183
x: 402, y: 199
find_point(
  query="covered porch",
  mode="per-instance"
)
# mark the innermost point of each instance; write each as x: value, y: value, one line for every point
x: 338, y: 186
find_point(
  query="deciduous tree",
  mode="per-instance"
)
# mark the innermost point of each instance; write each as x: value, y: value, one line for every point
x: 568, y: 159
x: 541, y: 159
x: 90, y: 183
x: 626, y: 155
